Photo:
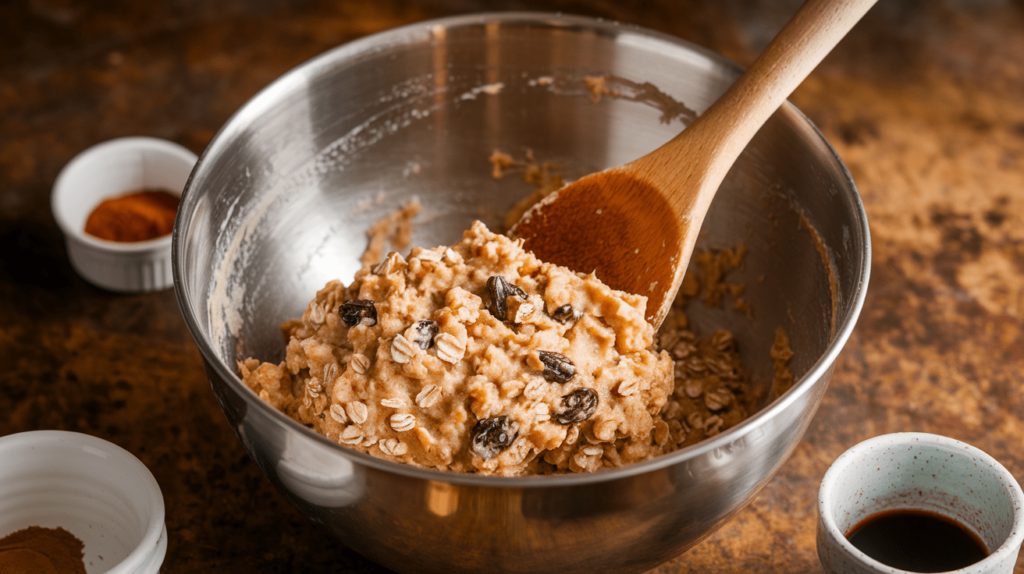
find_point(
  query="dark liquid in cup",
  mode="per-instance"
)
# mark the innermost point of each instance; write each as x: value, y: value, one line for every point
x: 917, y: 540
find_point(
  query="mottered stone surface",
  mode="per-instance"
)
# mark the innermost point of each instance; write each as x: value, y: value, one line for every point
x: 922, y: 101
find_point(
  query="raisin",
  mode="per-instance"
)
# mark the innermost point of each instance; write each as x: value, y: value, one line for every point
x: 426, y: 330
x: 359, y: 312
x: 493, y: 435
x: 498, y: 290
x: 557, y: 368
x: 564, y: 314
x: 578, y: 406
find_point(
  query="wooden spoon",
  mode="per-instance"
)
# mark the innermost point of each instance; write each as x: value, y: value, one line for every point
x: 635, y: 225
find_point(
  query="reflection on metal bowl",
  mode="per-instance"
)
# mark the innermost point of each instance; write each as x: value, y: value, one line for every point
x: 280, y: 200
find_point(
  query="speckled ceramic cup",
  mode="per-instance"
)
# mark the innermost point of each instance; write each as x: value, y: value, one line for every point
x: 918, y: 471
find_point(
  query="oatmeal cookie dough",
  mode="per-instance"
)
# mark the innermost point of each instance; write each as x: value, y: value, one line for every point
x: 477, y: 358
x: 713, y: 391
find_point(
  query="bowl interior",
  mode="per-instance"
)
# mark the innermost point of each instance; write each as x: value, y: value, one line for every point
x: 281, y: 200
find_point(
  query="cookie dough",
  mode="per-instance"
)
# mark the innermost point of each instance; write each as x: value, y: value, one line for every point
x: 480, y: 358
x: 476, y: 357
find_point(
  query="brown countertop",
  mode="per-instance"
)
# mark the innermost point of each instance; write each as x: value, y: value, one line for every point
x: 923, y: 102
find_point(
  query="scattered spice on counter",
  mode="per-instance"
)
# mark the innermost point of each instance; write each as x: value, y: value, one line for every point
x: 42, y: 550
x: 136, y: 216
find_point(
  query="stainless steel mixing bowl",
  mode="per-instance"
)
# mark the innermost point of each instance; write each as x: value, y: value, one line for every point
x: 279, y: 202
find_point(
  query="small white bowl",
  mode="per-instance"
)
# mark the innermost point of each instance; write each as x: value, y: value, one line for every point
x: 110, y: 169
x: 93, y: 489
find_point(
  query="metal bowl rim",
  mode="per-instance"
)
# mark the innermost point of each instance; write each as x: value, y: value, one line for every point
x: 403, y: 34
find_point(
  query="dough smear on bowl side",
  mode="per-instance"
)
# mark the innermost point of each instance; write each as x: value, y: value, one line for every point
x: 480, y: 358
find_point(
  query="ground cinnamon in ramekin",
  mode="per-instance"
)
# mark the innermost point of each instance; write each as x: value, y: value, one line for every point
x: 137, y: 216
x: 43, y: 550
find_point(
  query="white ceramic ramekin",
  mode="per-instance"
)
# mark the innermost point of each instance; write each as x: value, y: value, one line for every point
x: 93, y: 489
x: 108, y: 170
x: 919, y: 471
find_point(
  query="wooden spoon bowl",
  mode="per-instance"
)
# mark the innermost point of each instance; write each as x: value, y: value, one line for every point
x: 635, y: 225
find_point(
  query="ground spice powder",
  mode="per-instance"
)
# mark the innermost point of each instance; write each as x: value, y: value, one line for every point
x: 137, y: 216
x: 38, y: 550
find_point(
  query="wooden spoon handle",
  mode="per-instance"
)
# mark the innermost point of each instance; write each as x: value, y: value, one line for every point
x: 722, y: 132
